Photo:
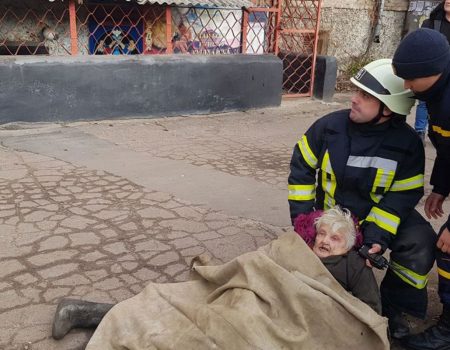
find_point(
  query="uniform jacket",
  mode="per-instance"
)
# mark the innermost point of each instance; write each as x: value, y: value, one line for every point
x: 351, y: 272
x: 438, y: 105
x: 437, y: 21
x: 376, y: 171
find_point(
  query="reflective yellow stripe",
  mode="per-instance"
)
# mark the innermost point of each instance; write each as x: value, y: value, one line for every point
x: 383, y: 219
x: 383, y: 179
x: 439, y: 130
x: 301, y: 192
x: 443, y: 273
x: 378, y: 179
x: 408, y: 184
x: 307, y: 153
x: 328, y: 184
x: 376, y: 197
x: 421, y: 280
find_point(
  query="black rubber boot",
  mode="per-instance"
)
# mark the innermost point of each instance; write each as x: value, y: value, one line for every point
x: 73, y: 313
x: 436, y: 337
x: 398, y: 325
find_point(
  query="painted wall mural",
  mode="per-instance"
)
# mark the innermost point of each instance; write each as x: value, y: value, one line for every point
x: 115, y: 39
x: 195, y: 30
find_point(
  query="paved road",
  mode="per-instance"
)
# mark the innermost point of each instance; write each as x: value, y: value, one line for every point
x: 95, y: 210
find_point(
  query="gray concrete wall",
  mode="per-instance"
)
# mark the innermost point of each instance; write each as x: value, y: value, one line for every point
x: 83, y: 88
x: 346, y: 25
x: 325, y: 78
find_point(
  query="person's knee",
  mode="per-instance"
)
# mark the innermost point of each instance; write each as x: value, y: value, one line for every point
x: 416, y: 249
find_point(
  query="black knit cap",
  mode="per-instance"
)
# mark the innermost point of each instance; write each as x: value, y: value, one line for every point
x: 422, y: 53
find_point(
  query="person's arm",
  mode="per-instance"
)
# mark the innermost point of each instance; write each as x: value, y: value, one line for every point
x: 440, y: 176
x: 380, y: 226
x: 440, y: 180
x: 362, y: 283
x: 304, y: 163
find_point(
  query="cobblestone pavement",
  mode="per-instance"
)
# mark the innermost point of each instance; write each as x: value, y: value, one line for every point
x: 72, y: 223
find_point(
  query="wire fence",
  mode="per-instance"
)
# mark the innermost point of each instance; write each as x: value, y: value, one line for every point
x: 298, y: 45
x: 34, y: 28
x: 288, y: 29
x: 40, y: 27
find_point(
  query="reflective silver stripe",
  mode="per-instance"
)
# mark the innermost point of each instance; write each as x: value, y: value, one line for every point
x: 376, y: 197
x: 301, y: 192
x: 408, y: 184
x: 383, y: 219
x: 372, y: 162
x: 420, y: 280
x: 328, y: 185
x: 384, y: 179
x: 379, y: 218
x: 327, y: 166
x: 329, y: 202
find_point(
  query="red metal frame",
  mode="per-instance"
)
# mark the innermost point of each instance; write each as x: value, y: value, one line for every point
x: 296, y: 75
x: 277, y: 26
x: 169, y: 30
x: 244, y: 31
x: 73, y: 28
x: 316, y: 40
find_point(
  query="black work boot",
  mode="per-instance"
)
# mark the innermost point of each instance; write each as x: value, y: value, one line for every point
x: 73, y: 313
x: 436, y: 337
x: 398, y: 325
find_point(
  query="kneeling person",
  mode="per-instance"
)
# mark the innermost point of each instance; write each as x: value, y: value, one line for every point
x: 370, y: 161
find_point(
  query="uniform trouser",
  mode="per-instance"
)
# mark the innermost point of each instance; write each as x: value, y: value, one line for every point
x: 443, y: 264
x: 413, y: 250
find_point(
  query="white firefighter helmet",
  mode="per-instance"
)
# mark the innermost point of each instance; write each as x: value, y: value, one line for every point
x: 378, y: 79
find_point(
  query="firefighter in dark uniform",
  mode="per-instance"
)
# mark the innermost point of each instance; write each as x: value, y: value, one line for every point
x: 367, y: 159
x: 423, y: 60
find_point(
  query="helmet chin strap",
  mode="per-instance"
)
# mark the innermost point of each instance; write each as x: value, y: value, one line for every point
x: 380, y: 114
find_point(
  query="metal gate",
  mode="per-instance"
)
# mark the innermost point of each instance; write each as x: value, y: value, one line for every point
x: 291, y: 32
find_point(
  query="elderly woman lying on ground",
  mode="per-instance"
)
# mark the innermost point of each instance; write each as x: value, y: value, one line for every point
x: 333, y: 235
x: 265, y: 294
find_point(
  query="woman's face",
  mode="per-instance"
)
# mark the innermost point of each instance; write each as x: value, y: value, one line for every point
x: 329, y: 243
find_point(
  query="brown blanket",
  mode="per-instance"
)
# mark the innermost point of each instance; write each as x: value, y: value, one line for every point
x: 278, y: 297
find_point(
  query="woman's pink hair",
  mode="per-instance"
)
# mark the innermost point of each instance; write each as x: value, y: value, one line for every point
x: 304, y: 225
